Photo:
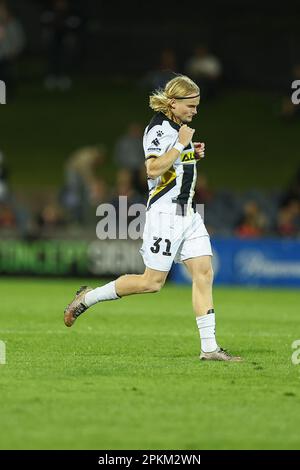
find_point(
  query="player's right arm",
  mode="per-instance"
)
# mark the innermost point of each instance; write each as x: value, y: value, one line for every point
x: 158, y: 165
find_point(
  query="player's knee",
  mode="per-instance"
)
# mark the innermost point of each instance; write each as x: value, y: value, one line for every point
x: 208, y: 275
x: 204, y: 276
x: 153, y: 285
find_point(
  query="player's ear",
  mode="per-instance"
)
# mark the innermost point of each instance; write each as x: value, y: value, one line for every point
x: 172, y: 103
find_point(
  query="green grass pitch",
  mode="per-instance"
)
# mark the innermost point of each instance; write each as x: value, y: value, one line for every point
x: 127, y: 375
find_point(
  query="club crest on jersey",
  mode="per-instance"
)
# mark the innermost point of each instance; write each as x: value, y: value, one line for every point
x: 187, y: 157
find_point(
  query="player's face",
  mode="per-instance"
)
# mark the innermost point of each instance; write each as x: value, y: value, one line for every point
x: 186, y: 109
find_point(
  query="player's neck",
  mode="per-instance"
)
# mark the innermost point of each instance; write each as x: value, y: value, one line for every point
x: 173, y: 118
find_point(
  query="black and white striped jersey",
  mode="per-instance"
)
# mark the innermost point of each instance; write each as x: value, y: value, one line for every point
x: 178, y: 183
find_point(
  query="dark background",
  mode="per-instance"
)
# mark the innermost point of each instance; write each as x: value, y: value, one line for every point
x: 257, y: 41
x: 252, y: 148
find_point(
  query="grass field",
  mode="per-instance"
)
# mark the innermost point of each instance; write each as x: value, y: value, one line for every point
x: 127, y: 376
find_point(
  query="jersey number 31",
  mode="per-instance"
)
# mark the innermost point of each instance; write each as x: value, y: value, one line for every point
x: 156, y: 246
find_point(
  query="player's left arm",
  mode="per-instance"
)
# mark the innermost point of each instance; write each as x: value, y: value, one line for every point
x: 199, y: 150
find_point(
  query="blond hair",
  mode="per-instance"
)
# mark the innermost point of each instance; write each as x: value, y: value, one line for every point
x: 180, y: 86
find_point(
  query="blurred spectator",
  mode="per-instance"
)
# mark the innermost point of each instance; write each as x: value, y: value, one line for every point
x: 129, y: 153
x: 7, y: 217
x: 62, y: 28
x: 12, y: 41
x: 98, y: 192
x: 206, y: 70
x: 50, y: 217
x: 81, y: 182
x: 253, y: 222
x: 290, y: 110
x: 13, y: 214
x: 163, y: 73
x: 288, y: 222
x: 124, y: 187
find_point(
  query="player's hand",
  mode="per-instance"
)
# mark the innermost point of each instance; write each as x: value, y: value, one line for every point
x: 185, y: 134
x: 199, y: 150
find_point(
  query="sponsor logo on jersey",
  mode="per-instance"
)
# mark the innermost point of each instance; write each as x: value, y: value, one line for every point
x: 187, y: 157
x: 155, y: 142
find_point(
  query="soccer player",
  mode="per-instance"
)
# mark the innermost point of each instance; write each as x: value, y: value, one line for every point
x: 173, y: 231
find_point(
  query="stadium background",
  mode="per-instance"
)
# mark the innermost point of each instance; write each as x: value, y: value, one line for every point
x: 111, y: 59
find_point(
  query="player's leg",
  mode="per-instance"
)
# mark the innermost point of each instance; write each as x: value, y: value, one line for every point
x: 158, y: 251
x: 200, y: 269
x: 149, y: 282
x: 196, y: 254
x: 201, y: 272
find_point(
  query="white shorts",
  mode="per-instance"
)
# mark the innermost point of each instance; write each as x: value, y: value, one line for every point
x: 169, y: 237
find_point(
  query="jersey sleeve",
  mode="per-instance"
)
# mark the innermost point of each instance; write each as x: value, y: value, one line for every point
x: 158, y: 141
